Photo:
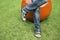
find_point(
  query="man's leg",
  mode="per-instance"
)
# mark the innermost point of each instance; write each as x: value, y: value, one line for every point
x: 35, y: 4
x: 32, y: 6
x: 37, y: 22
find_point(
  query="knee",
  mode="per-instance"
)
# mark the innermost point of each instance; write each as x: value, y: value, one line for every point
x: 45, y: 0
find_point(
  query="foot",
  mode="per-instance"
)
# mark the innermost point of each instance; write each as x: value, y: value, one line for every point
x: 23, y: 15
x: 37, y: 34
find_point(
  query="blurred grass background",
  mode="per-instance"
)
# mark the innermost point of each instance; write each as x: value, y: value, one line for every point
x: 13, y: 28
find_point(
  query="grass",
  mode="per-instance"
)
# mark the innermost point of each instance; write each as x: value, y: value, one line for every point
x: 13, y: 28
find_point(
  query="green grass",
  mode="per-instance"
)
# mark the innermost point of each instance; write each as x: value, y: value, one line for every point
x: 13, y: 28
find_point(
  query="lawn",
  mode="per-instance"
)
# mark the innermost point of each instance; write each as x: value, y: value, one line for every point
x: 13, y: 28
